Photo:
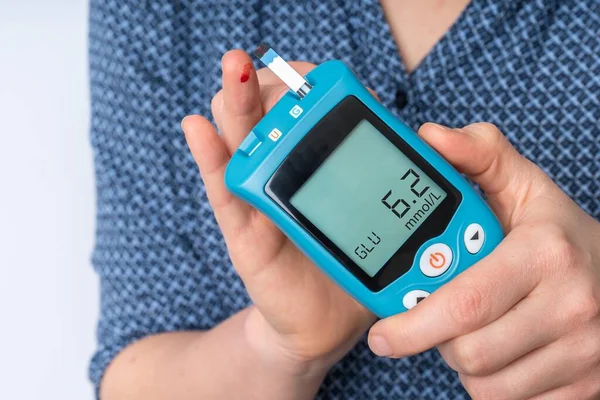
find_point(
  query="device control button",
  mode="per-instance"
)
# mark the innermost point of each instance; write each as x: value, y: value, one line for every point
x: 296, y: 111
x: 474, y: 238
x: 436, y: 260
x: 250, y: 144
x: 413, y: 298
x: 275, y: 134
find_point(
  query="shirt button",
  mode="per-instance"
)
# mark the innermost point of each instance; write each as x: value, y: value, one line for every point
x: 401, y: 99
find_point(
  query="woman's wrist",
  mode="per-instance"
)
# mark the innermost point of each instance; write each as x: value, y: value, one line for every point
x: 276, y: 356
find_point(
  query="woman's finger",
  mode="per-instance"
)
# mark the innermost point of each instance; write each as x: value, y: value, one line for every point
x: 217, y: 108
x: 529, y: 325
x: 587, y: 388
x: 553, y: 366
x: 481, y: 151
x: 473, y: 299
x: 241, y: 105
x: 212, y: 157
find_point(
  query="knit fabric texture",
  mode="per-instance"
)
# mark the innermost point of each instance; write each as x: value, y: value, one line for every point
x: 532, y: 67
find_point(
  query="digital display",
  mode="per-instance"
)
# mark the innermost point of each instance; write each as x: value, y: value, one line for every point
x: 368, y: 197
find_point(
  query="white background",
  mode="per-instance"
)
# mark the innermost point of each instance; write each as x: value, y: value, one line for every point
x: 48, y: 290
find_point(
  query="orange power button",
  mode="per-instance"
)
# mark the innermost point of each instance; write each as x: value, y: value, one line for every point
x: 437, y: 260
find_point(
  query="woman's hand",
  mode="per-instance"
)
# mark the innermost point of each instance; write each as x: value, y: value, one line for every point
x: 524, y: 322
x: 300, y: 319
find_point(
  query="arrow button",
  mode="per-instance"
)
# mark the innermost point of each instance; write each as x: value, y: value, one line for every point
x: 413, y: 298
x: 474, y: 238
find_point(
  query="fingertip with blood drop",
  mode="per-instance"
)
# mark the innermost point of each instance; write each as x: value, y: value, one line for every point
x: 246, y: 70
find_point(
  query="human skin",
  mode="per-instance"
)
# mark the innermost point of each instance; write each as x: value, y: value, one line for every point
x: 300, y: 323
x: 524, y: 322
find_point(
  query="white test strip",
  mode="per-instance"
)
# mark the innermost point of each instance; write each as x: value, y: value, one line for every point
x: 283, y: 70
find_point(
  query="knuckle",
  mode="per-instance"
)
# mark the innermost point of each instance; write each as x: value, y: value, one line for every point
x: 589, y: 303
x: 488, y: 132
x: 469, y: 358
x: 581, y: 307
x: 468, y: 307
x: 558, y: 247
x: 486, y: 128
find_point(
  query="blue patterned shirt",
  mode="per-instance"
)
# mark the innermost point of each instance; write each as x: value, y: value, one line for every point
x: 532, y: 67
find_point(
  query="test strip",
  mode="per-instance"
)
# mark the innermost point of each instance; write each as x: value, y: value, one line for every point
x: 283, y: 70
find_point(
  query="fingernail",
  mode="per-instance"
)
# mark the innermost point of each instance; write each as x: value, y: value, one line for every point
x: 380, y: 346
x: 246, y: 72
x: 183, y: 121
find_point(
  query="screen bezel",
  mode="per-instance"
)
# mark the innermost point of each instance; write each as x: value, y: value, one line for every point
x: 312, y: 151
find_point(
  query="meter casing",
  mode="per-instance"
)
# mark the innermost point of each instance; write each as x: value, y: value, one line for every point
x: 285, y: 125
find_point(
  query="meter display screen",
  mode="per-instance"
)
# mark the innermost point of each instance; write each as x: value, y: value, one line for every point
x: 368, y: 197
x: 363, y: 193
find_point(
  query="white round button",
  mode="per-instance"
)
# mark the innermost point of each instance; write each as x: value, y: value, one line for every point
x: 436, y: 260
x: 413, y: 298
x: 474, y: 238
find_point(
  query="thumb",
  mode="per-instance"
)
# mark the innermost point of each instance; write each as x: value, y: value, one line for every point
x: 482, y: 152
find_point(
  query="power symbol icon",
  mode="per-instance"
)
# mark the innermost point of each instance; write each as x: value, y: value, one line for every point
x: 437, y: 260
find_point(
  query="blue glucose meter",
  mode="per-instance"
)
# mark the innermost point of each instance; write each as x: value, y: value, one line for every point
x: 369, y: 202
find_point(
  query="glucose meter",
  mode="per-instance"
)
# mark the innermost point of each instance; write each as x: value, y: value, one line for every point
x: 357, y: 191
